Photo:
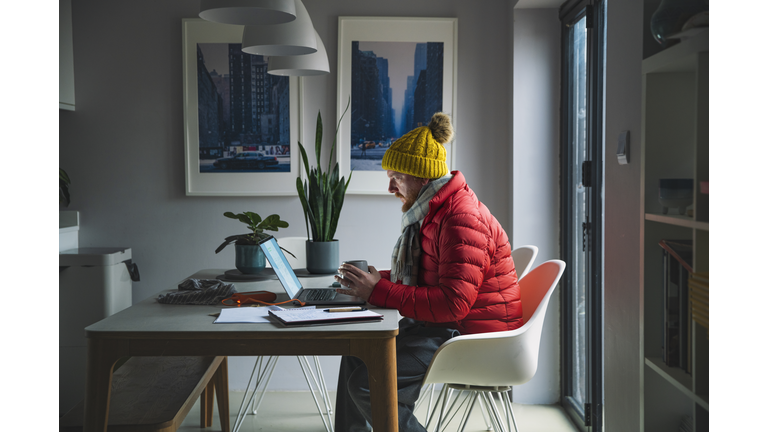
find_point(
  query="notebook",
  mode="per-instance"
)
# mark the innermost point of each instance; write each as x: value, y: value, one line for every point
x: 310, y: 296
x: 305, y: 316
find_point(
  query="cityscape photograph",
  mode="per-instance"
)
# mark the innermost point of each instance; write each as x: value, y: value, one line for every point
x: 395, y: 87
x: 243, y: 112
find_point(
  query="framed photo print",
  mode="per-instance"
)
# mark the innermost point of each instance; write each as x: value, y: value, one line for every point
x: 395, y: 73
x: 241, y: 125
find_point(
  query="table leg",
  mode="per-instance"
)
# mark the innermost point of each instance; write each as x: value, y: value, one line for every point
x: 206, y: 405
x: 380, y: 358
x: 101, y: 359
x: 221, y: 384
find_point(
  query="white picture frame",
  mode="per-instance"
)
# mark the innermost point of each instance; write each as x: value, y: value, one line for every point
x: 373, y: 181
x: 266, y: 182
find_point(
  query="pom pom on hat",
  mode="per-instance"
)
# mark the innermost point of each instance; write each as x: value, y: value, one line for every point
x: 420, y: 152
x: 442, y: 130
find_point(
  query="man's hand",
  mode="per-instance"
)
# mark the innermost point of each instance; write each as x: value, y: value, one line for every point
x: 356, y: 282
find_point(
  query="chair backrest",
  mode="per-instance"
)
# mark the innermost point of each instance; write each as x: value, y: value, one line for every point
x: 537, y: 286
x: 523, y: 258
x: 503, y: 358
x: 297, y: 246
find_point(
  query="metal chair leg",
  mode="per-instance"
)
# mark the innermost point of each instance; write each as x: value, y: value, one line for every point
x: 508, y: 401
x: 446, y: 393
x: 263, y: 369
x: 326, y: 395
x: 268, y: 372
x: 488, y: 422
x: 304, y: 364
x: 433, y: 409
x: 240, y: 413
x: 263, y: 373
x: 465, y: 419
x: 493, y: 412
x: 427, y: 389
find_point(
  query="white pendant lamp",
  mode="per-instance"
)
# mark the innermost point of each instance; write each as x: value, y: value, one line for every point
x: 248, y: 12
x: 294, y: 38
x: 301, y: 65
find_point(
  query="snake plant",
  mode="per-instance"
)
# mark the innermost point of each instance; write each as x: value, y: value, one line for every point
x: 322, y: 193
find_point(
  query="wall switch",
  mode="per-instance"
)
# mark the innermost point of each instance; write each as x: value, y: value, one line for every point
x: 622, y: 152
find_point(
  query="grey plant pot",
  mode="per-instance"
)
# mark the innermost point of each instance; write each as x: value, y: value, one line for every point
x: 322, y: 257
x: 249, y: 259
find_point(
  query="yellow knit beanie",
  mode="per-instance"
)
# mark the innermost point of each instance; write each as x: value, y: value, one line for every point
x: 420, y: 152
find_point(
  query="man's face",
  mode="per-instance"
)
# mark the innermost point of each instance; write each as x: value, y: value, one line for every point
x: 406, y: 187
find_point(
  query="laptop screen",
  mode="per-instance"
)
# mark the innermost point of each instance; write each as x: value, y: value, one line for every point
x: 281, y: 266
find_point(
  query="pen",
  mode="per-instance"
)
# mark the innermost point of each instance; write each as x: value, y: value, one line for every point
x: 349, y: 309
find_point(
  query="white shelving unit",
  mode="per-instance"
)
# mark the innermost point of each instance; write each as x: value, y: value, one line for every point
x: 675, y: 144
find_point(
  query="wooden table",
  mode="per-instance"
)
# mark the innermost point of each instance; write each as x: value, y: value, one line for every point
x: 149, y: 328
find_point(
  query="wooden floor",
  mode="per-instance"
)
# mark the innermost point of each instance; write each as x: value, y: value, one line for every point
x: 295, y: 411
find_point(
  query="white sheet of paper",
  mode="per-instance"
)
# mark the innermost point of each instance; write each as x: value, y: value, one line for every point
x: 250, y: 315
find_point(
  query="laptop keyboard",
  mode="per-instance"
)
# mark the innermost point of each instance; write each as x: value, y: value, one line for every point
x: 320, y: 294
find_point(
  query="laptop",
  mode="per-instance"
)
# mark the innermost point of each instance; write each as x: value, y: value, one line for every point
x: 287, y: 277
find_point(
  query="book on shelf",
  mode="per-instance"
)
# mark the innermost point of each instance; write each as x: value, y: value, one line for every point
x: 698, y: 289
x: 677, y: 261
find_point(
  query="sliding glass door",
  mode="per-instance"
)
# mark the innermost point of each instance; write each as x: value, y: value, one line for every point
x: 582, y: 175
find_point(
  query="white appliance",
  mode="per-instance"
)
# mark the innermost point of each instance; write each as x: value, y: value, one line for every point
x: 94, y: 283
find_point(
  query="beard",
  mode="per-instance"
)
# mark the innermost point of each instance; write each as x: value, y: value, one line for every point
x: 410, y: 200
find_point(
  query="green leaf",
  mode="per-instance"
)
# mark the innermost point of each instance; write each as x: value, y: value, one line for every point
x: 253, y: 219
x: 318, y: 138
x: 303, y: 199
x: 64, y: 183
x: 316, y: 203
x: 273, y: 223
x: 335, y: 136
x: 63, y: 176
x: 304, y: 157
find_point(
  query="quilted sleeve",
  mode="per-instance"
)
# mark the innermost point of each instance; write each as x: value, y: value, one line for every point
x: 457, y: 259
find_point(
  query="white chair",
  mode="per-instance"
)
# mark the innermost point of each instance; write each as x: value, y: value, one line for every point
x: 523, y: 258
x: 264, y: 368
x: 485, y: 364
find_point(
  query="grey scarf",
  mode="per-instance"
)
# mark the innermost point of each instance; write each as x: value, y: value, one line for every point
x: 407, y: 252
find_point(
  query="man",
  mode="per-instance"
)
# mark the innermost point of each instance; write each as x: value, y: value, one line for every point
x: 451, y: 273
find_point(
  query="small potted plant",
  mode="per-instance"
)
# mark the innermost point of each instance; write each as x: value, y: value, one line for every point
x: 322, y: 196
x: 249, y: 258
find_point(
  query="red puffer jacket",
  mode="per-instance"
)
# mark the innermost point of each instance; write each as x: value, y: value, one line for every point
x: 467, y: 279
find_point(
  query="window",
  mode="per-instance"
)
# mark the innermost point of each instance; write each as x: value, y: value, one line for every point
x: 582, y: 207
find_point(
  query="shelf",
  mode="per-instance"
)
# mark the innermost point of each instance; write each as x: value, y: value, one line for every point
x: 678, y: 58
x: 675, y: 376
x: 674, y: 144
x: 683, y: 221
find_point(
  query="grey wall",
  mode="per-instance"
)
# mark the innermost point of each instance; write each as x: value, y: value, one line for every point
x: 535, y: 172
x: 123, y: 147
x: 623, y: 362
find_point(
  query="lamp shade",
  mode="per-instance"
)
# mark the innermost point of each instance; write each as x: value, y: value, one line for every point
x: 248, y: 12
x: 294, y: 38
x: 301, y: 65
